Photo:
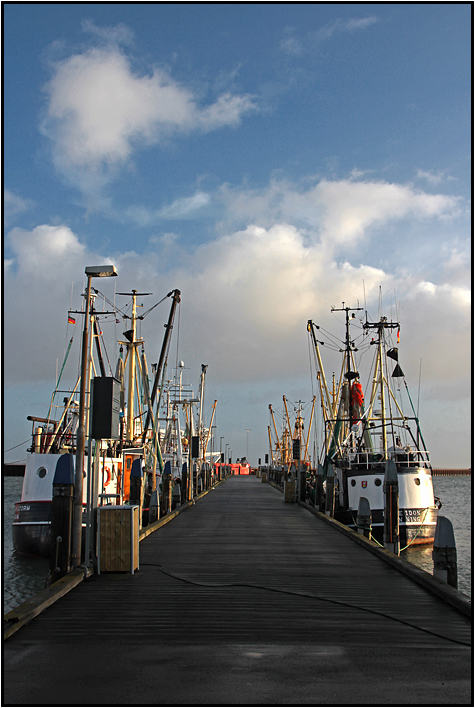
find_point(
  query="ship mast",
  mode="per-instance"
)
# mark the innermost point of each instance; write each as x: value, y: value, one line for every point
x: 380, y: 327
x: 349, y: 348
x: 131, y: 345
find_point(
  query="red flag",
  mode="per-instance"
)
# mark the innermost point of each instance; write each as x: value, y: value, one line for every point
x: 398, y: 336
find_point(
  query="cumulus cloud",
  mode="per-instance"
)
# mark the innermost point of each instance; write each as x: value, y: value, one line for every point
x: 246, y: 298
x: 40, y: 252
x: 338, y: 212
x: 100, y: 110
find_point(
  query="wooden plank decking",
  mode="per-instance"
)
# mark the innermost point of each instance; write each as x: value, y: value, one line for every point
x: 209, y: 638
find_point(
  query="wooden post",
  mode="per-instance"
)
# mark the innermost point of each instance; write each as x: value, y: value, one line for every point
x: 364, y: 519
x: 61, y: 518
x: 154, y: 507
x: 319, y: 488
x: 184, y: 483
x: 136, y: 486
x: 166, y: 505
x: 444, y: 553
x: 391, y: 508
x: 303, y: 481
x: 330, y: 491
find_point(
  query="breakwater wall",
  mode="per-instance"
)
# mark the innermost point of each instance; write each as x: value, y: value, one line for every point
x: 13, y: 470
x: 452, y: 473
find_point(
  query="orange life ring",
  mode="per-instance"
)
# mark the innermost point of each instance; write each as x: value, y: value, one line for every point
x: 108, y: 473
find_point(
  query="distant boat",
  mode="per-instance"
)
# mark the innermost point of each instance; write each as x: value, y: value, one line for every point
x: 363, y: 431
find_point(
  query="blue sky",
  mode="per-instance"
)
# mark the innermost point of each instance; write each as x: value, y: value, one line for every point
x: 265, y: 159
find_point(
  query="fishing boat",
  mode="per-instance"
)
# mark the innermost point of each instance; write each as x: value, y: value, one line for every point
x: 364, y: 430
x: 137, y: 436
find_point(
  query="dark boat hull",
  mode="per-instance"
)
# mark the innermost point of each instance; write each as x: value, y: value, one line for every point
x: 31, y: 528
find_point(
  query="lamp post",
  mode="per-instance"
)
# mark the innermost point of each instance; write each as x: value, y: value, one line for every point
x: 91, y: 272
x: 213, y: 440
x: 247, y: 447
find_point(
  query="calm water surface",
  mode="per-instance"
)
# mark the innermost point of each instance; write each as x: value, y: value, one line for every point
x: 24, y: 576
x: 455, y: 494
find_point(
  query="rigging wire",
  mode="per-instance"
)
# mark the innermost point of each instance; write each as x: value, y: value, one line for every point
x: 15, y: 447
x: 152, y: 308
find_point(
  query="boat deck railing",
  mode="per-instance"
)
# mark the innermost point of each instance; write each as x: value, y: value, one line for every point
x: 404, y: 458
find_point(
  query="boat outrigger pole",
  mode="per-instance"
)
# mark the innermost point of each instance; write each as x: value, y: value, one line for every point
x: 169, y: 326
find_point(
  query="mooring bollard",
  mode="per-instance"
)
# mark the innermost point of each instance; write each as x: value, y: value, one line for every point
x: 364, y: 519
x: 61, y: 517
x: 391, y: 508
x: 319, y: 488
x: 444, y: 553
x: 330, y: 491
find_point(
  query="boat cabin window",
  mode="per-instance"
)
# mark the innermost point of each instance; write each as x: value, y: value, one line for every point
x: 377, y: 482
x: 417, y: 481
x: 42, y: 472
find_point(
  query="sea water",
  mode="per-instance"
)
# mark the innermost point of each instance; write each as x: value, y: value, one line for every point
x: 455, y: 494
x: 23, y: 576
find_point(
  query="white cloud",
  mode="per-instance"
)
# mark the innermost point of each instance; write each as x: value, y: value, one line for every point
x: 296, y: 46
x: 100, y: 110
x: 14, y: 205
x: 181, y: 208
x: 431, y: 177
x: 40, y: 252
x: 359, y: 23
x: 246, y: 298
x: 338, y: 212
x: 185, y: 206
x: 353, y: 207
x: 120, y: 34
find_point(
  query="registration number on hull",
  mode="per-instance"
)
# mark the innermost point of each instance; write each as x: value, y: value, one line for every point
x: 406, y: 515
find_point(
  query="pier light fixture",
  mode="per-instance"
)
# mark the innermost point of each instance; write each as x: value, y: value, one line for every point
x: 102, y: 271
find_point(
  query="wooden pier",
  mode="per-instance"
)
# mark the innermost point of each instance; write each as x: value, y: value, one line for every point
x: 244, y: 599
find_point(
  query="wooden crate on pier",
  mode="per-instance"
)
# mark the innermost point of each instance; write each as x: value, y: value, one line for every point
x: 117, y: 539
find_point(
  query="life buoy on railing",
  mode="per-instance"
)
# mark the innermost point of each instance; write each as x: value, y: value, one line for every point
x: 106, y: 471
